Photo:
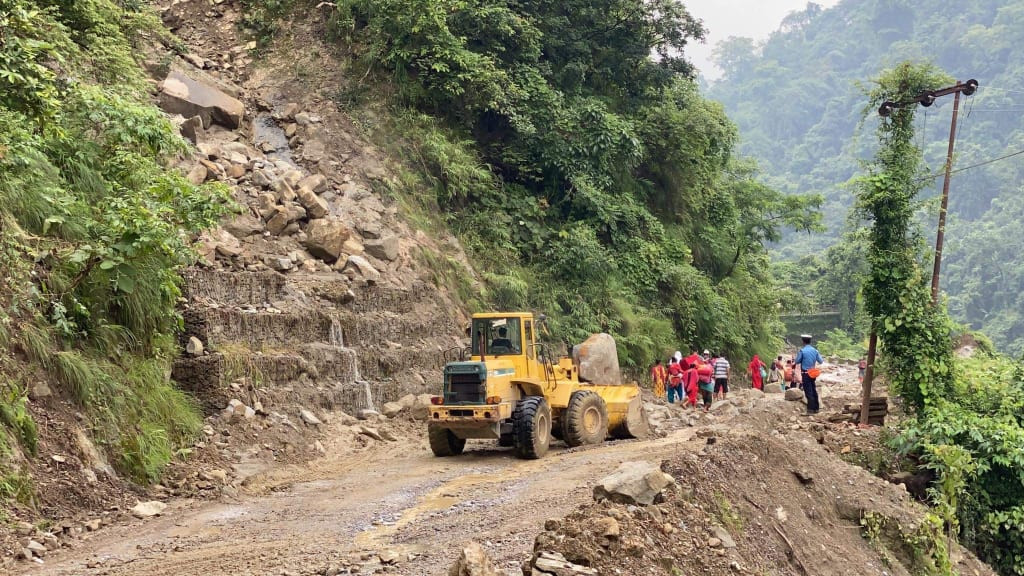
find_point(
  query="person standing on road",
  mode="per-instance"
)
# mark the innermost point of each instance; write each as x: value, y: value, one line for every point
x: 808, y: 359
x: 658, y: 377
x: 775, y: 373
x: 691, y: 382
x: 721, y: 377
x: 787, y: 375
x: 758, y: 371
x: 675, y: 381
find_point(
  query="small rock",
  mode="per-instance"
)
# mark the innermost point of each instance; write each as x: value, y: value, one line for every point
x: 371, y: 432
x: 316, y: 206
x: 392, y: 409
x: 363, y: 266
x: 309, y: 418
x: 724, y: 537
x: 794, y: 394
x: 317, y: 183
x: 194, y: 347
x: 383, y: 249
x: 389, y: 556
x: 803, y: 476
x: 473, y: 561
x: 367, y: 414
x: 605, y: 526
x: 198, y: 174
x: 714, y: 543
x: 633, y: 483
x: 148, y: 509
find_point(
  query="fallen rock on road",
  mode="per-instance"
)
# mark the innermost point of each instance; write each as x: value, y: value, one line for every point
x: 633, y: 483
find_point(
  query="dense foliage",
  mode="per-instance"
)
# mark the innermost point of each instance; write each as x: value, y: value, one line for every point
x: 968, y: 427
x: 590, y: 180
x: 92, y: 229
x: 796, y: 101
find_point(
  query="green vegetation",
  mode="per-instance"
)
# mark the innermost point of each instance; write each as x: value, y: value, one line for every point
x: 588, y: 180
x: 796, y: 100
x: 93, y: 231
x: 968, y: 426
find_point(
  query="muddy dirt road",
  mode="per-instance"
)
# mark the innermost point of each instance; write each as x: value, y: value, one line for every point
x: 344, y: 512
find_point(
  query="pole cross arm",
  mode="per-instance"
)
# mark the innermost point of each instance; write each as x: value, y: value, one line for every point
x: 928, y: 98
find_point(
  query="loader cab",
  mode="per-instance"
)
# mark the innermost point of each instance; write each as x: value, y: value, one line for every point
x: 508, y: 337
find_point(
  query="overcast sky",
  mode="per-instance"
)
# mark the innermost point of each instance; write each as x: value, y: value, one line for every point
x: 724, y: 18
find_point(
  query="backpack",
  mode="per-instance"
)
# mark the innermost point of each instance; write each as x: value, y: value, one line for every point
x: 763, y: 373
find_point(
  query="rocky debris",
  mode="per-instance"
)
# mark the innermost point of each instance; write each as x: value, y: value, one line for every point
x: 372, y: 433
x: 309, y: 418
x: 182, y: 94
x: 773, y: 388
x: 383, y: 249
x: 237, y: 410
x: 315, y: 206
x: 794, y: 394
x: 555, y: 564
x: 325, y: 239
x: 148, y: 509
x: 392, y: 409
x: 194, y: 346
x: 363, y: 266
x: 473, y: 561
x: 633, y: 483
x: 598, y: 360
x: 198, y: 174
x: 723, y: 536
x: 243, y: 226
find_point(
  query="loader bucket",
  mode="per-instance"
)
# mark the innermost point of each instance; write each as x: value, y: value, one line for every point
x: 626, y: 415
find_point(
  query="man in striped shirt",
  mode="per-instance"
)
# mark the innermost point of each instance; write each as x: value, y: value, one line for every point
x: 721, y: 373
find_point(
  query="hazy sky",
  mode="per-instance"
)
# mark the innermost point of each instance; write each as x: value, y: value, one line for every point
x: 724, y: 18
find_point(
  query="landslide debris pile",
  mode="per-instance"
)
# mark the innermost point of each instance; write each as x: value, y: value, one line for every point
x: 747, y: 504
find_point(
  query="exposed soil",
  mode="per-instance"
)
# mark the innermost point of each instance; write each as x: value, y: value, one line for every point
x: 395, y: 500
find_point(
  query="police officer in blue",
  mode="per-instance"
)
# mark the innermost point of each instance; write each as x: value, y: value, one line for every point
x: 808, y: 358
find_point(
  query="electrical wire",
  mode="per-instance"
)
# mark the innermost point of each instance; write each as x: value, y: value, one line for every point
x: 973, y: 166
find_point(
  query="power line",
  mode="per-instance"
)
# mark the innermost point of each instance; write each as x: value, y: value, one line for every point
x: 973, y: 166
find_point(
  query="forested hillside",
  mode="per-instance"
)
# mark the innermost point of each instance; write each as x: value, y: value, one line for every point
x: 587, y: 179
x: 798, y: 103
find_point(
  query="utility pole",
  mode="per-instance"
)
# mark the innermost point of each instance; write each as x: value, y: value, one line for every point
x: 939, y: 236
x: 927, y: 99
x: 887, y: 107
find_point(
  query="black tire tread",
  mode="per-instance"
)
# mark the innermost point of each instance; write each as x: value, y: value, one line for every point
x: 527, y: 443
x: 443, y: 442
x: 573, y: 432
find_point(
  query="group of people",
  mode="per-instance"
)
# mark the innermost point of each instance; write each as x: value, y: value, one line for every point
x: 683, y: 377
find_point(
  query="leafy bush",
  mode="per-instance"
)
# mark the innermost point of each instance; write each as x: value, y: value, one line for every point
x: 94, y: 226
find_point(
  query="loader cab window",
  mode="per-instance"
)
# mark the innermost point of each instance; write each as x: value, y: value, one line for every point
x: 497, y: 337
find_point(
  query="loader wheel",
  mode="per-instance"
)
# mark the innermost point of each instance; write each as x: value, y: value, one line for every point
x: 443, y: 442
x: 585, y: 420
x: 532, y: 421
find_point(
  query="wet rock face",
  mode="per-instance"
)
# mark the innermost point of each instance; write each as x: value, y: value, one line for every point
x: 182, y: 94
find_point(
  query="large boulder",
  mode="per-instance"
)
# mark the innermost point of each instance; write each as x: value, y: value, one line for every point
x: 473, y: 561
x: 773, y: 388
x: 421, y: 407
x: 633, y: 483
x: 555, y: 564
x: 794, y: 394
x: 325, y: 239
x: 598, y: 360
x: 316, y: 206
x: 182, y: 94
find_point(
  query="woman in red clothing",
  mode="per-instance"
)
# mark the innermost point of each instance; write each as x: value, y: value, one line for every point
x: 691, y: 379
x: 756, y: 366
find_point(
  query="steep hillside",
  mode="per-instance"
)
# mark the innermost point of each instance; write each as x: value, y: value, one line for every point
x: 796, y: 100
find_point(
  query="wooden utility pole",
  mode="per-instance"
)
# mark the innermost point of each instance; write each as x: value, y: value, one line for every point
x: 939, y: 237
x: 869, y: 373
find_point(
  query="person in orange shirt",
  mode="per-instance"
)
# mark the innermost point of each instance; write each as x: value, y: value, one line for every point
x: 658, y: 377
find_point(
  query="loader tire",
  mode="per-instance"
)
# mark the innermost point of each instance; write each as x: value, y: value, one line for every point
x: 585, y: 420
x: 443, y: 442
x: 532, y: 421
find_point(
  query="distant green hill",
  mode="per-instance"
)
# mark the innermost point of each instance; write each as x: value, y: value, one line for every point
x: 798, y: 102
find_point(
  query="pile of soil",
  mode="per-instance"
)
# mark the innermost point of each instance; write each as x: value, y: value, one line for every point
x: 756, y: 504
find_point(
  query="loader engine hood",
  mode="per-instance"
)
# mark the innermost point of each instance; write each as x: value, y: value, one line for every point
x: 465, y: 383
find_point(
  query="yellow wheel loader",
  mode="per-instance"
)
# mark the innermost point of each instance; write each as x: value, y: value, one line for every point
x: 508, y: 387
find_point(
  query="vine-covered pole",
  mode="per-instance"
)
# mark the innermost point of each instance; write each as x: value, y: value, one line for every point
x: 939, y: 236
